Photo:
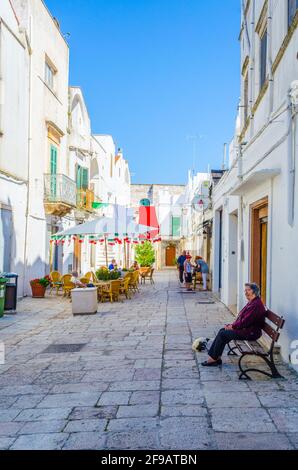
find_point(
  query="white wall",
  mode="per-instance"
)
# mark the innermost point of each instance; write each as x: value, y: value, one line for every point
x: 267, y: 145
x: 14, y: 132
x: 46, y: 106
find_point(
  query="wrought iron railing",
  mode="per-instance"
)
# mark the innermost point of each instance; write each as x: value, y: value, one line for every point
x: 59, y: 189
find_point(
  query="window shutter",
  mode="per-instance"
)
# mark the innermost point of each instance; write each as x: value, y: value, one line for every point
x: 85, y: 178
x: 176, y: 224
x: 53, y: 160
x: 79, y: 177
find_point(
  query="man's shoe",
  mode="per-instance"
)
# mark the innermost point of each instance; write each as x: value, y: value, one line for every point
x: 212, y: 364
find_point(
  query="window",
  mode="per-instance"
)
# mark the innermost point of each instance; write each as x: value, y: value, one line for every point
x: 53, y: 168
x: 263, y: 59
x: 245, y: 97
x: 145, y: 202
x: 176, y: 226
x: 82, y: 178
x: 49, y: 75
x: 292, y: 9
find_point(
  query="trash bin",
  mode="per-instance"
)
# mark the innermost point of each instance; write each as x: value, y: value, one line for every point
x: 84, y: 301
x: 2, y: 295
x: 11, y: 292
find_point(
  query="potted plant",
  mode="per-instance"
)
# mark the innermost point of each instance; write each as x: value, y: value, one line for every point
x: 105, y: 275
x: 102, y: 274
x: 39, y: 286
x: 114, y: 275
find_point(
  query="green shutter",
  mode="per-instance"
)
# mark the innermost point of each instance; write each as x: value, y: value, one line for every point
x: 53, y: 165
x: 85, y: 178
x: 79, y: 177
x: 53, y: 160
x: 82, y: 178
x: 176, y: 225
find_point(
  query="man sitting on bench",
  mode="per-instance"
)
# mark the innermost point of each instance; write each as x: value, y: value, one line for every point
x: 248, y: 326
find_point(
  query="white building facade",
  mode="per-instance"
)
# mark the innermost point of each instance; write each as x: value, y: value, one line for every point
x: 167, y: 202
x: 256, y: 201
x: 14, y: 117
x: 196, y: 203
x: 52, y: 169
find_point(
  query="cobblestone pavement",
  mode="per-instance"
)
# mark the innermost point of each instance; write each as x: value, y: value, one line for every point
x: 135, y: 383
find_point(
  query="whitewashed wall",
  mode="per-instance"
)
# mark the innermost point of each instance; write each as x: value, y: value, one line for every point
x: 13, y: 134
x: 267, y: 145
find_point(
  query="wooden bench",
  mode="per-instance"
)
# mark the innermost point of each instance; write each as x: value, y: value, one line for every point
x: 255, y: 348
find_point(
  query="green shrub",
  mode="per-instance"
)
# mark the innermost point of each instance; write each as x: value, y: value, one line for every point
x: 105, y: 275
x: 145, y: 255
x: 114, y: 275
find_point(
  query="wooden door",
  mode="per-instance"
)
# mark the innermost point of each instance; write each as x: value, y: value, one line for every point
x: 263, y: 264
x: 170, y: 255
x: 259, y: 237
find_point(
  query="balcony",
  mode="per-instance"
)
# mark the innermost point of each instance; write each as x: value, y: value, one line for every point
x: 59, y: 194
x: 85, y: 199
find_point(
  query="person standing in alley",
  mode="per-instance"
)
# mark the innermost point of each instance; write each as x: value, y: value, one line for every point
x: 188, y: 268
x: 180, y: 265
x: 203, y: 268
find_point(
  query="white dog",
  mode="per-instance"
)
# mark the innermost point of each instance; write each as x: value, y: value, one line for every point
x: 200, y: 344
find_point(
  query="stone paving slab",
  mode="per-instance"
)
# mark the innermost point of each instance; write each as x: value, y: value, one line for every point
x: 53, y: 441
x: 136, y: 384
x: 253, y: 441
x: 85, y: 441
x: 235, y: 420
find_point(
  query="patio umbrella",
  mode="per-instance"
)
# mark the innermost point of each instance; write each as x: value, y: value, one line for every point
x: 121, y: 226
x: 105, y: 226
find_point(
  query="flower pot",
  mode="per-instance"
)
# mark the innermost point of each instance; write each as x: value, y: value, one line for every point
x: 38, y: 291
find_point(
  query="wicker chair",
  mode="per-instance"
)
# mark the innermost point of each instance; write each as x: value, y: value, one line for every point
x: 56, y: 283
x: 148, y: 274
x: 67, y: 284
x: 89, y: 276
x: 134, y: 282
x: 124, y: 287
x: 111, y: 292
x: 143, y: 273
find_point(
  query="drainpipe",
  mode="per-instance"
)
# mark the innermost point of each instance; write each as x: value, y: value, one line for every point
x: 241, y: 228
x: 29, y: 42
x: 293, y: 109
x: 1, y: 84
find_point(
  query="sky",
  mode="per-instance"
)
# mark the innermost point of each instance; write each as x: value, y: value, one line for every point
x: 161, y: 76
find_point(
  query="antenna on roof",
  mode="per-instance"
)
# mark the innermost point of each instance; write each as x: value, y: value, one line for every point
x: 224, y: 160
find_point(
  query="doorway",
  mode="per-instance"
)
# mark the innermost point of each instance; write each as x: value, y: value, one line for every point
x: 220, y: 251
x: 170, y: 255
x: 259, y: 245
x: 232, y: 285
x: 6, y: 229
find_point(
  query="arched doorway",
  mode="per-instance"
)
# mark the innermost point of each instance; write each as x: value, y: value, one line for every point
x: 170, y: 255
